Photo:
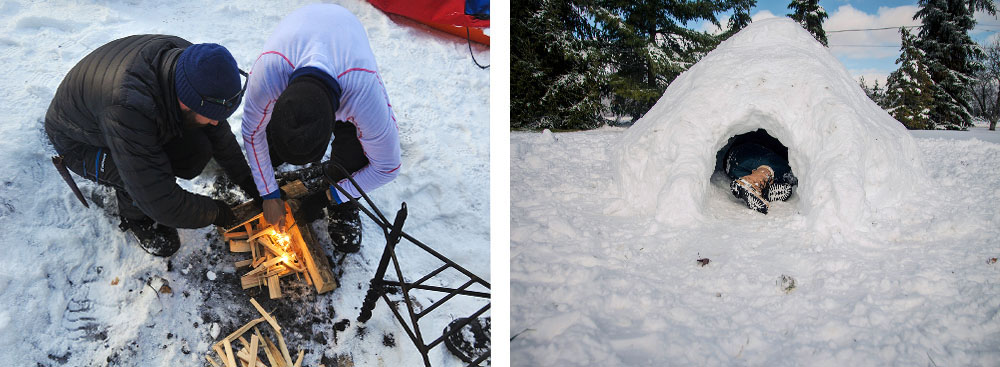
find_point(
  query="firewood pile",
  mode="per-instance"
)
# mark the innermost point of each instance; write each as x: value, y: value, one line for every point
x: 277, y: 355
x: 275, y: 254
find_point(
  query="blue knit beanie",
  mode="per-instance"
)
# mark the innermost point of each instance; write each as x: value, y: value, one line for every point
x: 207, y: 70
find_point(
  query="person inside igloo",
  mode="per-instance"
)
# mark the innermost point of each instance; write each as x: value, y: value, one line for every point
x: 758, y: 167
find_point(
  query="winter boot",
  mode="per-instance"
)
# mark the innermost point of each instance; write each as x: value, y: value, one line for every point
x: 472, y: 341
x: 750, y: 188
x: 156, y: 239
x: 783, y: 190
x: 344, y: 225
x: 778, y: 191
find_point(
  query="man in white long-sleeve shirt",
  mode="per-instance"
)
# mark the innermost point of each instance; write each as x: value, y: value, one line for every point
x: 316, y: 77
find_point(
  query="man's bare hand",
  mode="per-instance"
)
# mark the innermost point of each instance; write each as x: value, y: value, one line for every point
x: 274, y: 213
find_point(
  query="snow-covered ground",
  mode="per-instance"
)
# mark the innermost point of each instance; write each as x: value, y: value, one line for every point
x: 59, y: 303
x: 592, y: 289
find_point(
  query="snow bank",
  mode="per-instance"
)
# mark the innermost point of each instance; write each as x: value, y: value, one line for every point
x: 591, y: 290
x: 852, y: 159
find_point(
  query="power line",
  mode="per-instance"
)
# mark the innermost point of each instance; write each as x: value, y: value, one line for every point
x: 874, y: 29
x: 863, y: 46
x: 896, y: 28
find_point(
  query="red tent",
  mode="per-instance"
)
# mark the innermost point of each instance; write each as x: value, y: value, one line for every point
x: 452, y: 16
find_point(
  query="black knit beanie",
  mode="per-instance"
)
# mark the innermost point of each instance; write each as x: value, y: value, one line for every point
x: 302, y: 121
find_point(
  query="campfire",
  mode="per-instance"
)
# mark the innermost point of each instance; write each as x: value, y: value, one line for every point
x: 275, y: 254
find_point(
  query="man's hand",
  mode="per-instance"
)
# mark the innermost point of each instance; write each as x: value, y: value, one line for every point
x: 274, y: 213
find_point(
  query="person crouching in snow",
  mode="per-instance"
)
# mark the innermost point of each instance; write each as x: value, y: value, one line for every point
x: 138, y: 112
x: 317, y: 77
x: 760, y: 175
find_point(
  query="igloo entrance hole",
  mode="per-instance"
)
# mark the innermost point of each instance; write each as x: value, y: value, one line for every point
x: 759, y: 136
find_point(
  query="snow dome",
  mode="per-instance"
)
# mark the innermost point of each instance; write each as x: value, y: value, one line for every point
x: 852, y: 159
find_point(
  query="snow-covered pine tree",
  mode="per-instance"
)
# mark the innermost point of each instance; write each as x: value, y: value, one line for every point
x: 874, y: 92
x: 810, y: 15
x: 557, y: 75
x: 950, y: 56
x: 868, y: 89
x: 909, y: 93
x: 648, y: 44
x: 741, y: 17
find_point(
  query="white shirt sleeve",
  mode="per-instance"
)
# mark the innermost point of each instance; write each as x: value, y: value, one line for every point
x: 368, y: 108
x: 265, y: 85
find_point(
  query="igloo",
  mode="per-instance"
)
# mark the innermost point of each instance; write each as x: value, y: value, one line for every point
x: 853, y: 160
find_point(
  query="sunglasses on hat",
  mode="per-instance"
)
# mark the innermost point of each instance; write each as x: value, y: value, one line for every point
x: 231, y: 101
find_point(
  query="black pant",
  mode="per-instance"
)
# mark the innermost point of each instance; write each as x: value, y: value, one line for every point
x: 188, y: 155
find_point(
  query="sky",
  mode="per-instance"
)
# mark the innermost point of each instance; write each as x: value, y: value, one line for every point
x: 868, y: 54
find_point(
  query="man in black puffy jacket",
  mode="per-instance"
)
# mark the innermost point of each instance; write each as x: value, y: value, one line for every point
x: 142, y: 110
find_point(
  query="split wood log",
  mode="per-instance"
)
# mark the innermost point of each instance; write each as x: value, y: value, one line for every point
x: 298, y: 361
x: 260, y: 260
x: 229, y: 236
x: 263, y: 268
x: 262, y: 233
x: 295, y: 189
x: 245, y: 357
x: 251, y: 281
x: 240, y: 331
x: 222, y: 354
x: 254, y: 343
x: 315, y: 259
x: 274, y: 287
x: 230, y: 359
x: 267, y: 316
x: 284, y: 349
x: 271, y: 246
x: 211, y: 361
x: 267, y: 348
x: 239, y: 246
x: 243, y: 263
x: 274, y: 354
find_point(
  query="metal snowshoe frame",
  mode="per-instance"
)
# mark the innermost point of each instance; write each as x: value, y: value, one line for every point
x: 379, y: 286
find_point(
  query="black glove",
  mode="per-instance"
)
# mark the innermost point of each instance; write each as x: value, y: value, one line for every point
x: 225, y: 217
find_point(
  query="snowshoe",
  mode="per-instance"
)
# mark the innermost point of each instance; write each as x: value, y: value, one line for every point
x: 472, y: 341
x: 154, y: 238
x: 750, y: 188
x: 344, y: 225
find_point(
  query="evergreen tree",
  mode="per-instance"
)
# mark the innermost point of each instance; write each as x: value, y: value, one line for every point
x: 741, y: 17
x: 648, y: 45
x: 950, y: 55
x: 556, y: 70
x: 875, y: 92
x: 986, y: 87
x: 810, y: 15
x: 910, y: 91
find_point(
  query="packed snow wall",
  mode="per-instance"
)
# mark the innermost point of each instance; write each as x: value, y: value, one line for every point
x: 852, y: 159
